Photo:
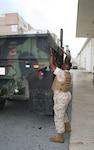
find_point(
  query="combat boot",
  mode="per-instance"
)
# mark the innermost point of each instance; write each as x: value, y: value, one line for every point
x: 59, y: 138
x: 67, y: 127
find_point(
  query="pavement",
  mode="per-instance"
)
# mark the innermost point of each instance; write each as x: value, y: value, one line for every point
x: 82, y: 112
x: 21, y: 129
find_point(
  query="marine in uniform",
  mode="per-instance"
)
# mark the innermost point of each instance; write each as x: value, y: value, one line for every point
x: 62, y: 97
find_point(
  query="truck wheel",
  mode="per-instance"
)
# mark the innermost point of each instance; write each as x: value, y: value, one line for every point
x: 2, y: 103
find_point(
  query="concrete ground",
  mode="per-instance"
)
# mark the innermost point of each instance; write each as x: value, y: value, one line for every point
x: 24, y: 130
x: 82, y: 118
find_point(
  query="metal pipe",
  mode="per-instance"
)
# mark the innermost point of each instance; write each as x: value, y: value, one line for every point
x: 61, y: 37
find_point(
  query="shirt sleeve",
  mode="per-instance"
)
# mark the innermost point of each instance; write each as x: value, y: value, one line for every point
x: 59, y: 74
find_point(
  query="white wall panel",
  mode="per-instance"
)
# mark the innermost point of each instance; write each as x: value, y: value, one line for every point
x: 92, y: 54
x: 86, y: 56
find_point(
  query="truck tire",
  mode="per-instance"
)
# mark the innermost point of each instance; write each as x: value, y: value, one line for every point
x: 2, y: 103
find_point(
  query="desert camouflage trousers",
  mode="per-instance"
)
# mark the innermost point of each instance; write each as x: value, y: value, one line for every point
x: 61, y: 101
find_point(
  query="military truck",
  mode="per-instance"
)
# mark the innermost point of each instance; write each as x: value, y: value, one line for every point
x: 24, y: 69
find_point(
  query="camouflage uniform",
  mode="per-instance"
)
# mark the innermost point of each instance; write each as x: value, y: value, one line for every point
x: 61, y: 98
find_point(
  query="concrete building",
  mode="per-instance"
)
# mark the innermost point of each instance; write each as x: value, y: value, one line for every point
x: 13, y: 23
x: 85, y: 29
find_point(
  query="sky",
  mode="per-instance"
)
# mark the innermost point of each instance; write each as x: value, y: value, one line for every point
x: 49, y: 15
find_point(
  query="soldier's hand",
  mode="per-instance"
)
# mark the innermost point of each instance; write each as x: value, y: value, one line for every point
x: 51, y: 51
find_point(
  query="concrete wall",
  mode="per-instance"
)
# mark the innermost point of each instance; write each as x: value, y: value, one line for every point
x: 85, y: 58
x: 92, y: 55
